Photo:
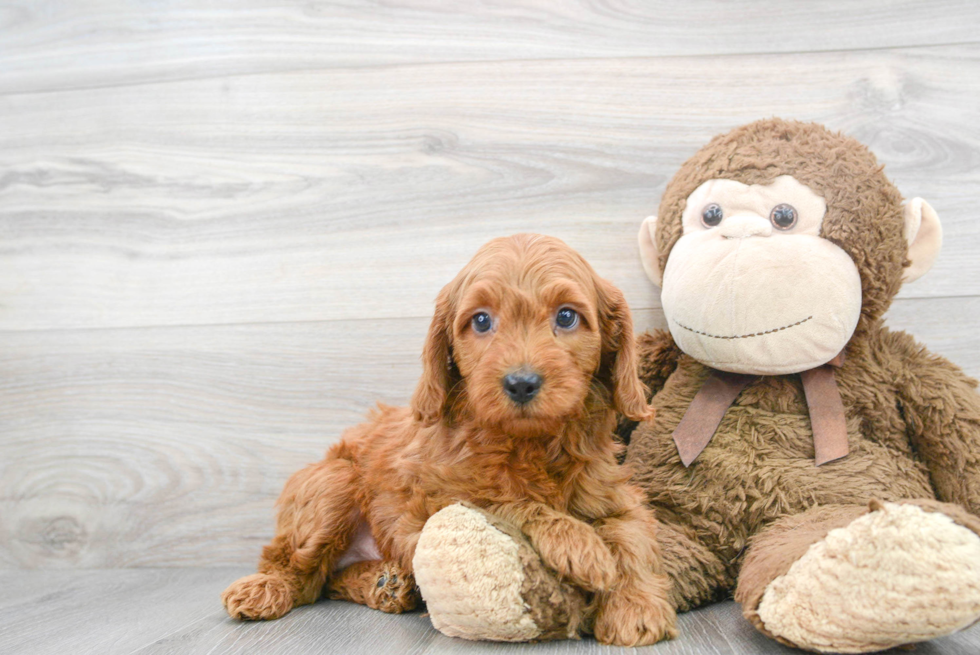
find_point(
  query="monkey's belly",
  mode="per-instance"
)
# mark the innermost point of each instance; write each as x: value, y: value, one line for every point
x: 759, y: 466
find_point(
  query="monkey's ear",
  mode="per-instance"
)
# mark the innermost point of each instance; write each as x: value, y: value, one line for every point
x: 431, y: 395
x: 649, y: 254
x: 924, y: 234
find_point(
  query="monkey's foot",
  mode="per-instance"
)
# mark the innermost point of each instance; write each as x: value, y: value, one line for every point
x: 481, y: 579
x: 897, y: 575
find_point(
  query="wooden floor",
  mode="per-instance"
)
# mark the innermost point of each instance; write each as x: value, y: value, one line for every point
x: 173, y: 612
x: 222, y: 226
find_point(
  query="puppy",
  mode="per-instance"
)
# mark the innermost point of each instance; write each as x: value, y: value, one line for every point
x: 527, y: 358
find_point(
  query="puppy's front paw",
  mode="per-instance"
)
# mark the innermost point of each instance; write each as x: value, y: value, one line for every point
x: 257, y: 596
x: 634, y: 620
x: 575, y: 551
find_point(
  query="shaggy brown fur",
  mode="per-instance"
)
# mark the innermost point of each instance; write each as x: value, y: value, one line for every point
x: 913, y: 418
x: 547, y: 467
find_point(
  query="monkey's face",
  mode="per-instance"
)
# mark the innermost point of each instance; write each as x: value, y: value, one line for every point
x: 752, y: 287
x: 749, y: 284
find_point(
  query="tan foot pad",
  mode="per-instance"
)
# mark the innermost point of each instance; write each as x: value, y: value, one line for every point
x: 481, y: 579
x: 894, y: 576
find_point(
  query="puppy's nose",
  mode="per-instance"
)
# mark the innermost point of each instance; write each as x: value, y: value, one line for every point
x: 522, y: 386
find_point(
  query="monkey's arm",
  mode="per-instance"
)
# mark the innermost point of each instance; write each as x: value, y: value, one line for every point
x: 657, y: 354
x: 942, y: 411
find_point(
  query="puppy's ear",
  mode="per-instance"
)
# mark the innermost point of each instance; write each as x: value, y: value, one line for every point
x: 432, y: 393
x: 620, y: 364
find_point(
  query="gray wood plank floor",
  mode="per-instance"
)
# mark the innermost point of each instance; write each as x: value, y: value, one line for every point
x: 177, y: 611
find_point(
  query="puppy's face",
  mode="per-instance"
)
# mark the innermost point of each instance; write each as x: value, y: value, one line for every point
x: 526, y: 342
x: 528, y: 331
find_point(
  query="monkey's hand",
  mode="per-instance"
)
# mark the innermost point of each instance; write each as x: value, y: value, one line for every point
x: 941, y: 407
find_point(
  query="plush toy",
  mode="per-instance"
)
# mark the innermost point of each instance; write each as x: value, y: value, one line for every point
x: 823, y: 468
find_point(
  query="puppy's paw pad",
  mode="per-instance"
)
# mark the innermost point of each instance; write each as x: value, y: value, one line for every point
x: 895, y: 576
x: 395, y: 590
x: 257, y: 596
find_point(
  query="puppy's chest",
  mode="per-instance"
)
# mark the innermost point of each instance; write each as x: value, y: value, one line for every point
x: 524, y: 473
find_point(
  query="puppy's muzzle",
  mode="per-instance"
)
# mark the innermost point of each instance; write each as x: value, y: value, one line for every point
x: 523, y: 385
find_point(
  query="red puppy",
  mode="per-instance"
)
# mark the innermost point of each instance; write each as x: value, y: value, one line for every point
x: 527, y: 358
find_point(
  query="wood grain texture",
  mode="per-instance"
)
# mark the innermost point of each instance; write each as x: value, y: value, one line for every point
x: 168, y: 446
x: 222, y: 226
x: 357, y: 193
x: 54, y: 45
x: 103, y: 612
x: 221, y: 230
x: 178, y: 611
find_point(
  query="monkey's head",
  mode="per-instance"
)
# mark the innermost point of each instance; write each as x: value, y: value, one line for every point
x: 778, y: 240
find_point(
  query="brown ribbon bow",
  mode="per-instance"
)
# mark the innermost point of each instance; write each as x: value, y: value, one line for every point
x: 721, y: 389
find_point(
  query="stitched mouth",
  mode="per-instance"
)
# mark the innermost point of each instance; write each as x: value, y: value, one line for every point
x: 743, y: 336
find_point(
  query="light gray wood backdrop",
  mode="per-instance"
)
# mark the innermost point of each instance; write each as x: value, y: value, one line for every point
x: 222, y: 224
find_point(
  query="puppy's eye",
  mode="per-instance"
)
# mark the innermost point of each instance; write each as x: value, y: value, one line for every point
x: 783, y: 216
x: 481, y: 322
x: 566, y: 318
x: 712, y: 215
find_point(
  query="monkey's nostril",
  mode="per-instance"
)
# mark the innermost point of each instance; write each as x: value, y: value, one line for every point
x: 522, y: 386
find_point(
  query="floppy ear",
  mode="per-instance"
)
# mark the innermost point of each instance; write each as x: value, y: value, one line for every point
x: 620, y: 363
x: 432, y: 393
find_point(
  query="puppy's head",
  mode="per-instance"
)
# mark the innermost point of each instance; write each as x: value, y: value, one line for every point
x: 524, y: 337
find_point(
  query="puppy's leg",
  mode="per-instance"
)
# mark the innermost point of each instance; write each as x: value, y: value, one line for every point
x: 637, y: 611
x: 317, y: 519
x: 569, y: 546
x: 380, y: 585
x: 387, y: 585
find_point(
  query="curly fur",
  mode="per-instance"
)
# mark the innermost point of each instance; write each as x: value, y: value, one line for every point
x: 549, y: 467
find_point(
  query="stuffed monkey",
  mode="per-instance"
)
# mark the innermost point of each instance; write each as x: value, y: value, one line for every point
x: 823, y: 468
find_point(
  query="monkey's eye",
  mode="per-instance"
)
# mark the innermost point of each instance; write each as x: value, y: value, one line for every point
x: 783, y: 216
x: 711, y: 215
x: 481, y: 322
x: 566, y: 318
